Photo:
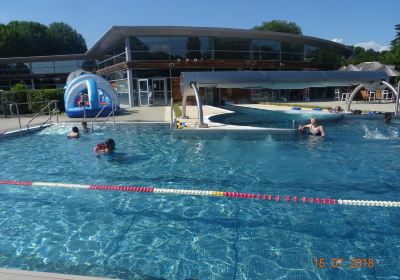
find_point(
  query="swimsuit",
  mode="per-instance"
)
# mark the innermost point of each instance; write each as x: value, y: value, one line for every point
x: 316, y: 131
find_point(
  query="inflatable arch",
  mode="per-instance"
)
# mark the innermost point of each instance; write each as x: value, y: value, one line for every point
x: 87, y: 94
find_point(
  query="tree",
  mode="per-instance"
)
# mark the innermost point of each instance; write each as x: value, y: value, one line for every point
x: 279, y: 26
x: 65, y: 39
x: 363, y: 55
x: 27, y: 38
x: 397, y: 39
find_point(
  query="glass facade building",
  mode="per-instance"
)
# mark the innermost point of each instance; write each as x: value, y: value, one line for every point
x: 143, y: 64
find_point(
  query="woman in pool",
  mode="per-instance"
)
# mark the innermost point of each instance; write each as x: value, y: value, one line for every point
x: 107, y: 147
x: 314, y: 127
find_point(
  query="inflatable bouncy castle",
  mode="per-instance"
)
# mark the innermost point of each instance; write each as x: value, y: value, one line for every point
x: 87, y: 94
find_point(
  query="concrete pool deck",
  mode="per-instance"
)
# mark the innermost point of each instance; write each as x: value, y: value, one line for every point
x: 15, y: 274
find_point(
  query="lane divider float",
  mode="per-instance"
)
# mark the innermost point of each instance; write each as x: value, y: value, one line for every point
x: 266, y: 197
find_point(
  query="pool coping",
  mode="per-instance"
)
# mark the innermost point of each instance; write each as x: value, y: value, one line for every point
x: 18, y: 274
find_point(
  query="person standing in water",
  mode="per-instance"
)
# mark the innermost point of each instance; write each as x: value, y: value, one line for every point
x: 314, y: 128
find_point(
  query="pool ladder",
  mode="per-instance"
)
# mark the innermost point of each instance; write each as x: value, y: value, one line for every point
x: 113, y: 107
x: 52, y: 111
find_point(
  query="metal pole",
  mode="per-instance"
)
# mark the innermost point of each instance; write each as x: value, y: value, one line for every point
x: 113, y: 107
x: 201, y: 123
x: 56, y: 110
x: 19, y: 118
x: 172, y: 113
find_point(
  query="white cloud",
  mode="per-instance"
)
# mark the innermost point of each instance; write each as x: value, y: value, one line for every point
x: 337, y: 40
x: 372, y: 45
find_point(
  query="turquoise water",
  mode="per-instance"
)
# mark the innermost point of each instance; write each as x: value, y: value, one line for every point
x: 153, y: 236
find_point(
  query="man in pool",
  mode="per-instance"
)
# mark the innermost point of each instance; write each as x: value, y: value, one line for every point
x: 314, y: 127
x: 74, y: 133
x: 107, y: 147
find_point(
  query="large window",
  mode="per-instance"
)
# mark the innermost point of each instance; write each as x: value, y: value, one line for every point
x: 266, y: 50
x: 66, y: 66
x: 292, y: 51
x: 232, y: 48
x: 311, y: 53
x: 165, y: 48
x: 43, y: 67
x: 150, y: 48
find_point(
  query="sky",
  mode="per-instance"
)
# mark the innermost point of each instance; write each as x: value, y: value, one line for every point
x: 365, y: 23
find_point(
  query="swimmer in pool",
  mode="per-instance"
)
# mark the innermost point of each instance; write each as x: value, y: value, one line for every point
x: 74, y: 133
x: 107, y: 147
x: 314, y: 127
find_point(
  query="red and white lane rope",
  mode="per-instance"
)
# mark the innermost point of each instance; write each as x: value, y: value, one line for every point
x: 267, y: 197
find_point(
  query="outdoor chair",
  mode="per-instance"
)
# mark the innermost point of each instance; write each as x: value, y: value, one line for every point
x: 371, y: 96
x: 337, y: 95
x: 386, y: 95
x: 345, y: 96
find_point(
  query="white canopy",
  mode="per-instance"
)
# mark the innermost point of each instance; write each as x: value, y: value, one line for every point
x: 281, y: 79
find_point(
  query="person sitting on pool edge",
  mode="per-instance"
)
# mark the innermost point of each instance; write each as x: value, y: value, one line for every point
x: 314, y: 127
x: 107, y: 147
x: 74, y: 133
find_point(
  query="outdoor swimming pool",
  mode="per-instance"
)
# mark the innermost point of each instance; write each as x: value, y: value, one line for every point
x: 154, y: 236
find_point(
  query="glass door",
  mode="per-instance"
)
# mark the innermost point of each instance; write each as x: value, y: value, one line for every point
x: 144, y: 96
x: 159, y: 91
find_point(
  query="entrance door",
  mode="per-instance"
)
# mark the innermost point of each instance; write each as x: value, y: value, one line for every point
x: 159, y: 86
x: 144, y: 96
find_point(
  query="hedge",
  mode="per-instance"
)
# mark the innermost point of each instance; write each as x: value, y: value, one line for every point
x: 31, y: 96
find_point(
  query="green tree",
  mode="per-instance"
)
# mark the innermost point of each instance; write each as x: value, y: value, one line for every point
x: 363, y: 55
x: 27, y: 38
x: 279, y: 26
x: 65, y: 39
x: 397, y: 39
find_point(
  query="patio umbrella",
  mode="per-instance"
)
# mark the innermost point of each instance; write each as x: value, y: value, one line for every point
x: 377, y: 66
x: 349, y: 67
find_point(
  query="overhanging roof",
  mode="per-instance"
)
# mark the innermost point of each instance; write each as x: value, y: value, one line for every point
x: 281, y: 79
x: 117, y: 33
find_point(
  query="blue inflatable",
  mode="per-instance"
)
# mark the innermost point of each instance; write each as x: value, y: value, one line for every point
x: 87, y: 94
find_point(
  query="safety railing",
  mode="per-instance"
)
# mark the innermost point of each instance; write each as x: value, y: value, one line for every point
x: 52, y: 111
x: 172, y: 114
x: 112, y: 112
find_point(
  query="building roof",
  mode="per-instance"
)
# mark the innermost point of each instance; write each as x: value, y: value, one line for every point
x: 26, y: 59
x: 281, y: 79
x: 118, y: 33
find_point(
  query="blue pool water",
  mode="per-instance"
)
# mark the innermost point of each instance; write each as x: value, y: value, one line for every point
x: 153, y: 236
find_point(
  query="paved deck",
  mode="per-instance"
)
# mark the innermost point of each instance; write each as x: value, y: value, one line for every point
x: 14, y: 274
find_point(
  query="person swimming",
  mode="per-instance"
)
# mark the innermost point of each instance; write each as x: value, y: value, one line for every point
x: 314, y: 128
x: 387, y: 118
x: 107, y: 147
x: 74, y: 133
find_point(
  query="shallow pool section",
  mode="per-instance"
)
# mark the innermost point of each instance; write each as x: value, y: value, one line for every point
x: 155, y: 236
x: 272, y: 119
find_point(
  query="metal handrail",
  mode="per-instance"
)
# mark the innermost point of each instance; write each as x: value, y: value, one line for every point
x: 51, y: 113
x: 172, y: 114
x: 112, y: 112
x: 113, y: 108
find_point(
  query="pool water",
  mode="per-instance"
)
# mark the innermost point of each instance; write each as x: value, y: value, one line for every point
x: 153, y: 236
x: 267, y: 118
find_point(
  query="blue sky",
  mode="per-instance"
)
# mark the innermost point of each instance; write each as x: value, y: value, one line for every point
x: 367, y: 23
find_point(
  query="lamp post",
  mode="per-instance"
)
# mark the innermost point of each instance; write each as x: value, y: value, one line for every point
x: 170, y: 77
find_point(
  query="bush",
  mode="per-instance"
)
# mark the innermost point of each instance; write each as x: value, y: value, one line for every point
x: 177, y: 110
x: 39, y: 95
x: 21, y: 95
